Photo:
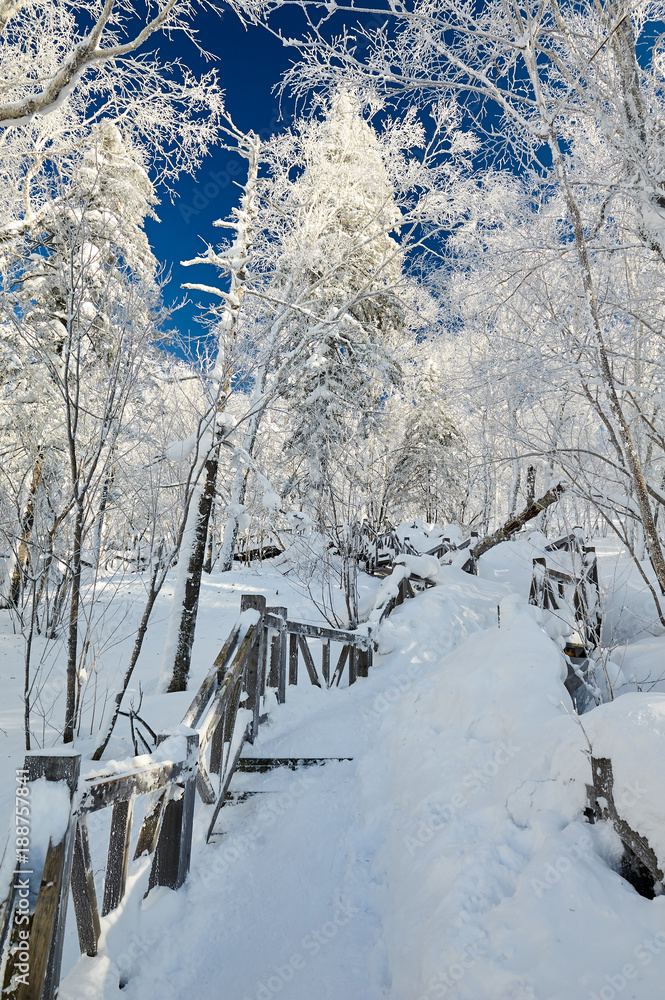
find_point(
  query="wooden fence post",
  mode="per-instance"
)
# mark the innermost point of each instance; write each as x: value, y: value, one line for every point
x: 364, y: 660
x: 603, y: 807
x: 293, y: 658
x: 118, y: 855
x: 255, y: 675
x: 174, y: 845
x: 277, y: 675
x: 325, y: 662
x: 83, y: 891
x: 281, y: 671
x: 590, y: 580
x: 49, y: 882
x: 353, y: 663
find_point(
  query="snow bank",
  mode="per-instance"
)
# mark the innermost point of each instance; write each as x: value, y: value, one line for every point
x: 494, y: 886
x: 630, y: 731
x: 426, y: 567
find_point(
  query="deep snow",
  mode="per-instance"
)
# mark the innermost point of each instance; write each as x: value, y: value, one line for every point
x: 448, y: 858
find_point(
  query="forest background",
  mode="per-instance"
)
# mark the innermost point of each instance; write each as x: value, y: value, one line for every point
x: 441, y: 297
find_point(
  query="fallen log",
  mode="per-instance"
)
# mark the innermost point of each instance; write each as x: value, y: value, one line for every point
x: 515, y: 523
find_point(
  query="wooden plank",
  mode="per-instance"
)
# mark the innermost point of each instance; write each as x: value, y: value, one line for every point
x: 281, y: 667
x: 228, y: 692
x: 325, y: 662
x: 83, y: 891
x: 215, y: 717
x: 277, y: 618
x: 115, y: 879
x: 594, y: 618
x: 164, y: 870
x: 339, y: 669
x: 353, y: 664
x: 43, y: 928
x: 321, y: 632
x: 217, y: 741
x: 261, y: 665
x: 224, y: 733
x: 601, y: 800
x: 225, y: 787
x: 147, y: 840
x: 232, y: 715
x: 204, y: 785
x: 46, y: 924
x: 103, y: 792
x: 259, y: 765
x: 189, y: 803
x: 364, y: 661
x: 293, y: 658
x: 174, y: 844
x: 568, y: 542
x: 274, y: 661
x: 309, y: 662
x: 194, y: 713
x: 559, y: 576
x: 255, y: 661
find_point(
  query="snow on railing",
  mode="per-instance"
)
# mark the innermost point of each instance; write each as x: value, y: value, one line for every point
x: 224, y: 715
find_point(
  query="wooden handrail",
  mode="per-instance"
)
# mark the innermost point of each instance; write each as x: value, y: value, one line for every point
x: 214, y: 731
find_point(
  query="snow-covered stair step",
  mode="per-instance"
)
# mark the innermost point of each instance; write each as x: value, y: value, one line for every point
x: 272, y: 775
x: 262, y: 764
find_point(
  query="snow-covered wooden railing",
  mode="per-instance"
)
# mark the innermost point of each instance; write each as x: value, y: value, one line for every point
x: 410, y: 575
x: 224, y: 715
x: 576, y: 593
x: 357, y: 649
x: 377, y: 549
x: 639, y: 864
x: 57, y: 852
x: 447, y: 552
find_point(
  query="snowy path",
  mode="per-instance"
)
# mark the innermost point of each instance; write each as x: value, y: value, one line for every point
x: 446, y: 859
x: 290, y: 894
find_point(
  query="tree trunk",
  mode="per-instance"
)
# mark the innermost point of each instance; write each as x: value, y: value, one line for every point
x: 27, y: 522
x: 515, y: 523
x: 230, y: 538
x: 623, y: 427
x: 103, y: 504
x: 72, y: 639
x: 178, y: 649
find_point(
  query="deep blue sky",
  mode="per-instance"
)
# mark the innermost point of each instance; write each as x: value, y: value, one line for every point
x: 249, y: 64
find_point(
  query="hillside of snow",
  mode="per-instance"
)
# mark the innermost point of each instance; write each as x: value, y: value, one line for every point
x: 450, y: 857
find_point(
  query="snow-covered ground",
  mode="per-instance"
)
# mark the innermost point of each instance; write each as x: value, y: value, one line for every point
x: 450, y: 856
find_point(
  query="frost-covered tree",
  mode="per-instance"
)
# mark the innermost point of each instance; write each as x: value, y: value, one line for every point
x: 576, y: 93
x: 84, y: 301
x: 339, y: 251
x: 327, y: 305
x: 427, y: 473
x: 232, y: 261
x: 65, y: 68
